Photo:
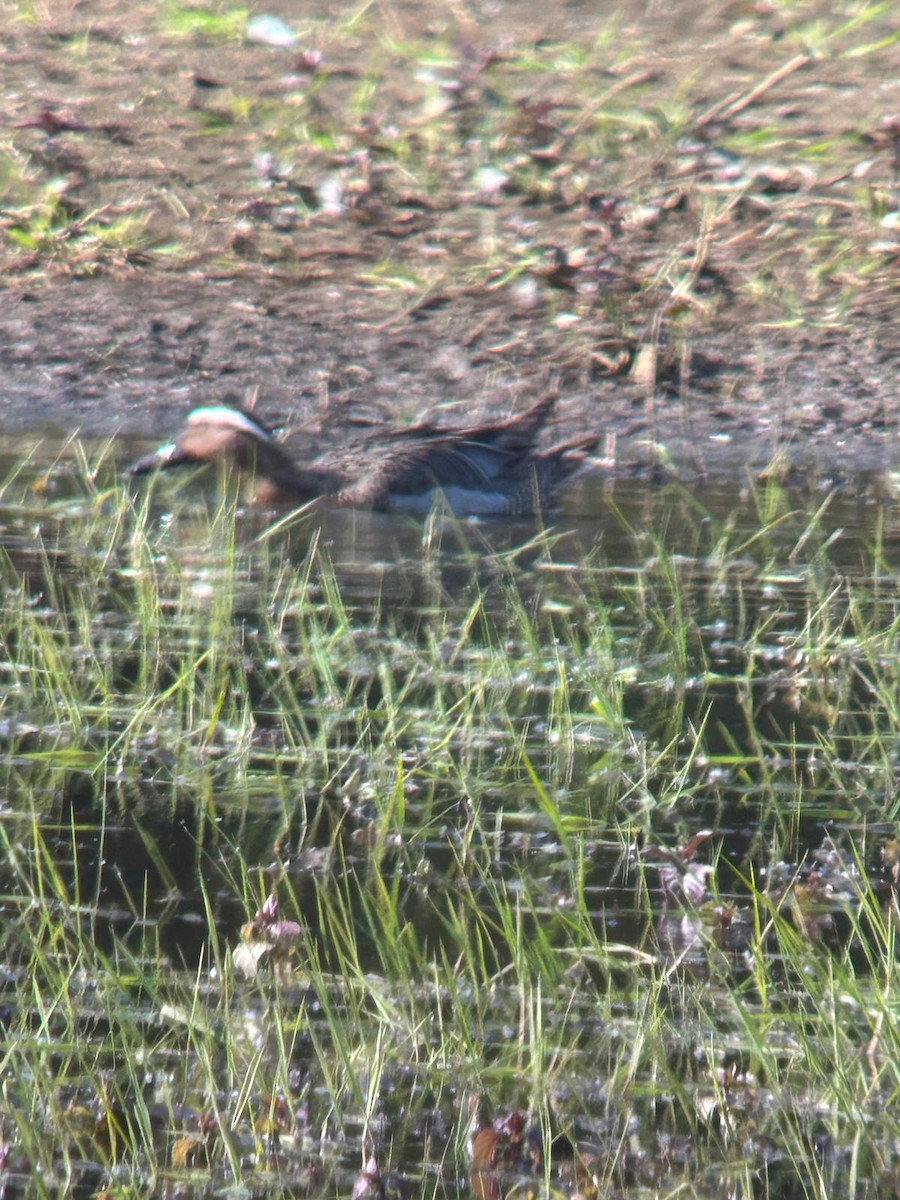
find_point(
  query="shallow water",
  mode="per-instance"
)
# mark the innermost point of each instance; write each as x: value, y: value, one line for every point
x: 725, y: 615
x: 744, y: 553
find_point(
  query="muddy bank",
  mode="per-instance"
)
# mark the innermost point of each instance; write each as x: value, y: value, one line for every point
x: 687, y: 221
x: 124, y: 357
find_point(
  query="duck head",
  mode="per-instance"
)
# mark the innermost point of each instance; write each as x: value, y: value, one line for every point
x: 238, y: 440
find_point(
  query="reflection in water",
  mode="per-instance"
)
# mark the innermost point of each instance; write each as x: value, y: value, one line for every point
x: 474, y: 710
x: 617, y: 549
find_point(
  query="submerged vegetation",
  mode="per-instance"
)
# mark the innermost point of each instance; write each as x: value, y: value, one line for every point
x: 347, y: 855
x: 308, y: 861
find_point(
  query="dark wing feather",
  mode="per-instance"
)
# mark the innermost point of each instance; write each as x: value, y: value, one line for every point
x: 477, y: 457
x: 420, y: 467
x: 516, y: 433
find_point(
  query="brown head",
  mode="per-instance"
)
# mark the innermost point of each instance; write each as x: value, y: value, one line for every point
x: 236, y: 439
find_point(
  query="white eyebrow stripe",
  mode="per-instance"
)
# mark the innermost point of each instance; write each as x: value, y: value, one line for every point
x: 220, y: 414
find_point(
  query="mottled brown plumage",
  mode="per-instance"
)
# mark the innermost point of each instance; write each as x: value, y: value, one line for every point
x: 489, y: 469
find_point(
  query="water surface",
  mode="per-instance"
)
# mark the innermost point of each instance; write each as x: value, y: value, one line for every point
x: 662, y: 661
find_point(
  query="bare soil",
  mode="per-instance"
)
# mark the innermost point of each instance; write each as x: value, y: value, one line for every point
x: 685, y: 217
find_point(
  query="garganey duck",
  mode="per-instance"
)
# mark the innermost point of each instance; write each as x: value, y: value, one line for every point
x: 493, y: 469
